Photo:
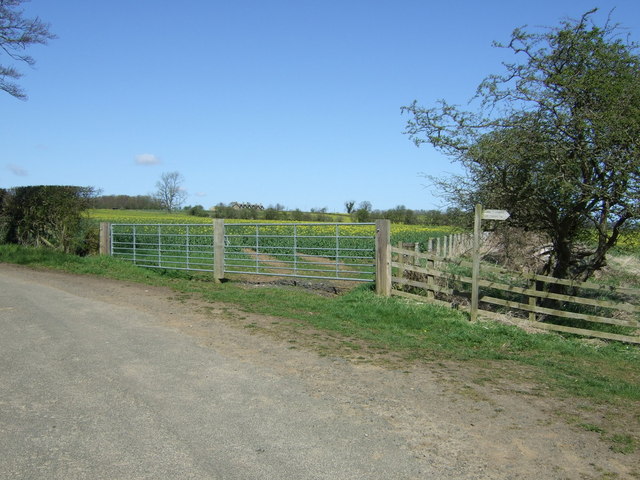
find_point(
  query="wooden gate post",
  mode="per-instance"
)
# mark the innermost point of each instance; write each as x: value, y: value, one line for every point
x: 105, y: 239
x: 218, y: 250
x: 383, y: 257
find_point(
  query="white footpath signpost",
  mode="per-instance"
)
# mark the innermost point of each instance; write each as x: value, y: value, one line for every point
x: 494, y: 214
x: 477, y: 232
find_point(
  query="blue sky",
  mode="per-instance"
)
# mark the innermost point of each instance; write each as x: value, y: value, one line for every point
x: 281, y: 101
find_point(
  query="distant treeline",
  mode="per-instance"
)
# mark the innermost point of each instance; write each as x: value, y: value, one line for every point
x: 362, y: 213
x: 277, y: 212
x: 399, y: 214
x: 127, y: 202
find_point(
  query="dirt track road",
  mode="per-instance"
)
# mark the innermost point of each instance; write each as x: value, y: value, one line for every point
x: 103, y: 379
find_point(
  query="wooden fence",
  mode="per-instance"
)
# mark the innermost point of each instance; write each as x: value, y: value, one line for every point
x: 526, y: 298
x: 453, y: 245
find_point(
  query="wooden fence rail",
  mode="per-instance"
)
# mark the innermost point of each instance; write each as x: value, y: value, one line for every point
x: 447, y: 281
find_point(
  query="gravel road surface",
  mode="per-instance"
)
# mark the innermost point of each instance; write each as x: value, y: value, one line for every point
x: 106, y: 380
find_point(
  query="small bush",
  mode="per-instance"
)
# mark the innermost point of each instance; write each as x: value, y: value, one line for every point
x: 46, y: 215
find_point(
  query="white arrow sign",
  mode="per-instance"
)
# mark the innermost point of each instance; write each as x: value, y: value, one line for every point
x: 495, y: 214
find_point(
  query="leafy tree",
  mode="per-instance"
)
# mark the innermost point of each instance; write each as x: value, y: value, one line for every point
x: 400, y: 214
x: 250, y: 213
x: 224, y: 211
x: 169, y: 191
x: 47, y: 215
x: 363, y: 212
x: 299, y: 216
x: 272, y: 213
x: 555, y: 140
x: 196, y: 211
x: 4, y: 219
x: 16, y: 35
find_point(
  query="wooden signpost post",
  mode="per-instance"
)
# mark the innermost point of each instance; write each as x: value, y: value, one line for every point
x: 480, y: 215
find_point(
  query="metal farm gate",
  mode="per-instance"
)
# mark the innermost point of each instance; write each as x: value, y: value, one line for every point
x: 172, y: 246
x: 335, y: 251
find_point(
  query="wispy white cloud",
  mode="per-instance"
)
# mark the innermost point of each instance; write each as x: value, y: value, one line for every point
x: 201, y: 194
x: 17, y: 170
x: 147, y: 159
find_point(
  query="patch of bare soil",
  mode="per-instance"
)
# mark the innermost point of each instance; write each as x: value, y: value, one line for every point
x: 273, y: 266
x: 465, y: 420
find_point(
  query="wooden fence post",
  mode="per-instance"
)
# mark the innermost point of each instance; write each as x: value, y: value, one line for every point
x: 431, y: 280
x: 218, y: 250
x: 383, y: 257
x: 533, y: 301
x: 400, y: 260
x: 105, y: 238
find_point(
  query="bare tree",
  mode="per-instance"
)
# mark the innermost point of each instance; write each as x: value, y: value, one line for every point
x: 169, y: 191
x: 16, y: 34
x: 349, y: 204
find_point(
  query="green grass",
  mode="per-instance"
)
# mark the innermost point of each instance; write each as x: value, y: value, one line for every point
x: 604, y: 372
x: 622, y: 443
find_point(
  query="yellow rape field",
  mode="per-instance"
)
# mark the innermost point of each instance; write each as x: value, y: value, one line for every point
x: 399, y: 232
x: 142, y: 216
x: 629, y: 241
